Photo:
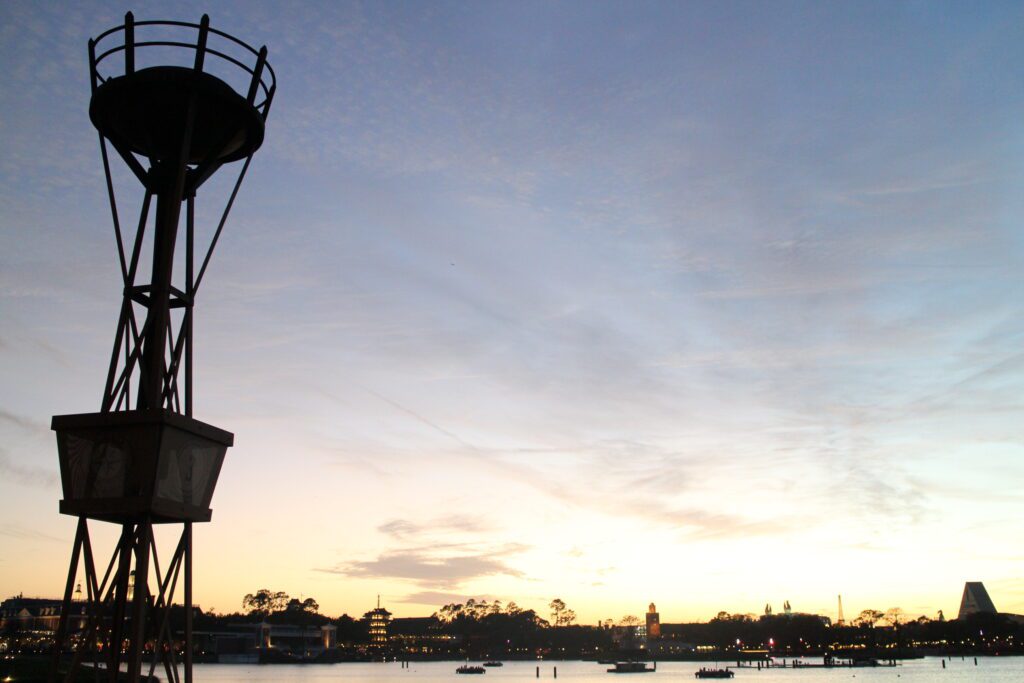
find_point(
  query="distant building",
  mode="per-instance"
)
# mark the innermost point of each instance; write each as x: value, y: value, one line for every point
x: 789, y: 613
x: 975, y: 600
x: 668, y: 648
x: 629, y: 636
x: 421, y: 635
x: 39, y: 615
x: 653, y: 622
x: 379, y: 619
x: 244, y: 643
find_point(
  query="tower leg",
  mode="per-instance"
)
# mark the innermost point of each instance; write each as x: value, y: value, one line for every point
x: 163, y: 636
x: 188, y: 602
x: 65, y: 607
x: 124, y: 550
x: 115, y: 619
x: 140, y: 600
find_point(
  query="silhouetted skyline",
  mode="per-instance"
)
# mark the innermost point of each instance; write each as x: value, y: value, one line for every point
x: 707, y: 304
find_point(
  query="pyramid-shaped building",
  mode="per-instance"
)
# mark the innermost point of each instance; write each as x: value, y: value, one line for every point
x: 975, y: 600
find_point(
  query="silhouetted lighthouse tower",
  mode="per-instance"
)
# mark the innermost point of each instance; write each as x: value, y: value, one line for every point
x: 143, y: 459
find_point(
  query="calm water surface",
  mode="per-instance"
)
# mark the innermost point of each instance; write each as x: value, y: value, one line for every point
x: 995, y: 669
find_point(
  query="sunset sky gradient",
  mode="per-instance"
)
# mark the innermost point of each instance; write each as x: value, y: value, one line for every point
x: 702, y: 303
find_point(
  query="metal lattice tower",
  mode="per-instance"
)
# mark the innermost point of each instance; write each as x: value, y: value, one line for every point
x: 143, y: 459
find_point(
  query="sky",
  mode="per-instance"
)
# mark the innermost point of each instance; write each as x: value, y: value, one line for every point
x: 710, y: 304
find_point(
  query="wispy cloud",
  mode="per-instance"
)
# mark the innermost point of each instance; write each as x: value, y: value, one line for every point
x: 404, y: 529
x: 25, y: 423
x: 26, y: 474
x: 431, y: 568
x: 419, y: 418
x: 20, y: 532
x: 438, y: 598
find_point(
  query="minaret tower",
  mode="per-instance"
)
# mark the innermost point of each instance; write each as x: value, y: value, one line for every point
x: 653, y: 622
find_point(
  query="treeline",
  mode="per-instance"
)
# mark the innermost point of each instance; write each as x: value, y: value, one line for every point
x: 276, y: 607
x: 482, y: 628
x: 989, y: 633
x: 490, y: 629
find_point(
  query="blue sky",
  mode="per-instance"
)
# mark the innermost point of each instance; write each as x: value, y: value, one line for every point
x: 602, y: 301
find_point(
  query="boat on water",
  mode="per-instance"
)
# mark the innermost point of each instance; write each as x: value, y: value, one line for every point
x: 713, y: 673
x: 469, y: 669
x: 632, y: 668
x: 492, y: 662
x: 868, y: 662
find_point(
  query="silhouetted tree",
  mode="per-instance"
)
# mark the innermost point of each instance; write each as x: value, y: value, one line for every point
x: 557, y: 607
x: 264, y: 602
x: 895, y: 616
x: 868, y: 618
x: 301, y: 612
x: 560, y: 614
x: 449, y: 612
x: 308, y: 606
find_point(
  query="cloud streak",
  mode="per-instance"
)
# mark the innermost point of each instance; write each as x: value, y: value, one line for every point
x: 433, y: 569
x: 403, y: 529
x: 28, y: 475
x: 438, y: 598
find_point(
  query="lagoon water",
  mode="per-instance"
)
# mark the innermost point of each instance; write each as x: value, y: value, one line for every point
x: 994, y: 669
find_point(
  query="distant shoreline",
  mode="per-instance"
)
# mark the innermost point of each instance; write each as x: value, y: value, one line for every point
x: 710, y: 657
